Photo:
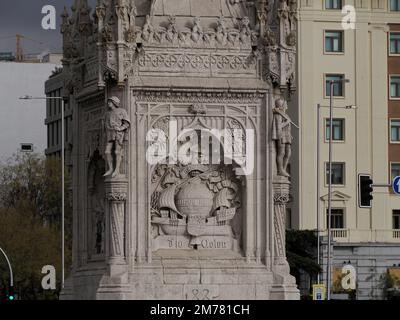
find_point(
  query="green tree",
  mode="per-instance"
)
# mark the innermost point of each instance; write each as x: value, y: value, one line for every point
x: 301, y: 246
x: 30, y: 212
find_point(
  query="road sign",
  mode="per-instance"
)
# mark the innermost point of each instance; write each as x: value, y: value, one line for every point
x: 396, y: 185
x: 319, y: 292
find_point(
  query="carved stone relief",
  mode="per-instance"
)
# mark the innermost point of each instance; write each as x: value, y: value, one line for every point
x: 196, y: 207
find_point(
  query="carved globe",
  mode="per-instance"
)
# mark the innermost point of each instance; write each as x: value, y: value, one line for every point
x: 195, y: 199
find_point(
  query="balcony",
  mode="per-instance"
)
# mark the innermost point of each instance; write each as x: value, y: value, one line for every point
x: 339, y: 233
x: 358, y: 235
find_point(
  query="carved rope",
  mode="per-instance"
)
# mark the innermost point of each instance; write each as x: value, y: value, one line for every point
x: 116, y: 196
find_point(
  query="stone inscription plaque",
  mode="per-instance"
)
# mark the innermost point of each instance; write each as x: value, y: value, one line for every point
x: 201, y: 292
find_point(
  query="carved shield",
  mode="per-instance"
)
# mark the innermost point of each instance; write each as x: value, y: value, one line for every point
x: 196, y: 225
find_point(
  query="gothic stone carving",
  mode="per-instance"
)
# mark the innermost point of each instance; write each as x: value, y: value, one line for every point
x: 196, y: 207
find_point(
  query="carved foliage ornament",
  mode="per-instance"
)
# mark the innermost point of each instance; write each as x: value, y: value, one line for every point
x: 282, y: 199
x: 197, y: 35
x: 116, y: 196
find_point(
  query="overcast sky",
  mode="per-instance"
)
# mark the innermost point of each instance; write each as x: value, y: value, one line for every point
x: 25, y: 17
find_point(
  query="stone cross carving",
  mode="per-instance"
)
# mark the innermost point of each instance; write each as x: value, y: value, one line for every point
x: 117, y: 124
x: 281, y: 134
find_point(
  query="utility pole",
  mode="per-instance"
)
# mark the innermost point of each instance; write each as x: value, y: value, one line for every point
x: 19, y: 55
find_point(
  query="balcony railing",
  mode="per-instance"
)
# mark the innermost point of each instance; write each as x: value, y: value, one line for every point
x: 339, y: 233
x: 364, y: 235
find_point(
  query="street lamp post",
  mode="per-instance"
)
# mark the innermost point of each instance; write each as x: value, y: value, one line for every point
x: 26, y: 97
x: 318, y: 188
x: 319, y: 106
x: 329, y: 262
x: 9, y: 267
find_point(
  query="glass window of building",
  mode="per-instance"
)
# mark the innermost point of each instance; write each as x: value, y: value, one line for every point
x: 333, y: 4
x: 338, y: 88
x: 395, y: 170
x: 395, y: 86
x: 337, y: 218
x: 395, y: 42
x: 395, y: 130
x: 333, y: 41
x: 338, y: 173
x: 337, y: 131
x: 394, y: 5
x: 396, y: 219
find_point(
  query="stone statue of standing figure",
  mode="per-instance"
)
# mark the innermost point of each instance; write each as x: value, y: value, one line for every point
x: 281, y: 134
x: 117, y: 124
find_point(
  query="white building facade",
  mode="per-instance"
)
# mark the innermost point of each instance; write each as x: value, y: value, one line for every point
x: 364, y: 135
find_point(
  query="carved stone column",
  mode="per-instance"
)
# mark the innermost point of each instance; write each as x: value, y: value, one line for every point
x: 116, y: 194
x: 281, y: 187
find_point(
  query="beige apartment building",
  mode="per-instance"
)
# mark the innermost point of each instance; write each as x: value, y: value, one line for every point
x: 366, y: 133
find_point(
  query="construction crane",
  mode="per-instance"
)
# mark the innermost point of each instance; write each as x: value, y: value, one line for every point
x: 19, y: 53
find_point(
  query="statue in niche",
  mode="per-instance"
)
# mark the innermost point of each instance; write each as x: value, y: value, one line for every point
x: 117, y: 124
x: 281, y: 134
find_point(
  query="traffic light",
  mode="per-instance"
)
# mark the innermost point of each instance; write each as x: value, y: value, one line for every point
x: 365, y: 190
x: 10, y: 295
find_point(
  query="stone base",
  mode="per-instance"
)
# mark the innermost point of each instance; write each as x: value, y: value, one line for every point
x: 191, y: 278
x: 68, y: 292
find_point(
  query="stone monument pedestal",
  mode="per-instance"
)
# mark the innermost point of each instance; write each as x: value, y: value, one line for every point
x: 208, y: 224
x: 114, y: 283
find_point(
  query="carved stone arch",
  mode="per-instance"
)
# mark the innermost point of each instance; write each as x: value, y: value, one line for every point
x: 154, y: 108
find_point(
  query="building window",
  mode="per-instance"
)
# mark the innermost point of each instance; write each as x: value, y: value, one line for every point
x: 333, y: 4
x: 338, y: 88
x: 395, y: 86
x: 337, y: 218
x: 394, y: 5
x: 395, y: 42
x: 66, y: 127
x: 396, y: 219
x: 395, y: 170
x: 333, y: 41
x: 52, y: 134
x: 338, y: 130
x: 48, y: 136
x: 57, y: 133
x: 395, y: 130
x: 338, y: 173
